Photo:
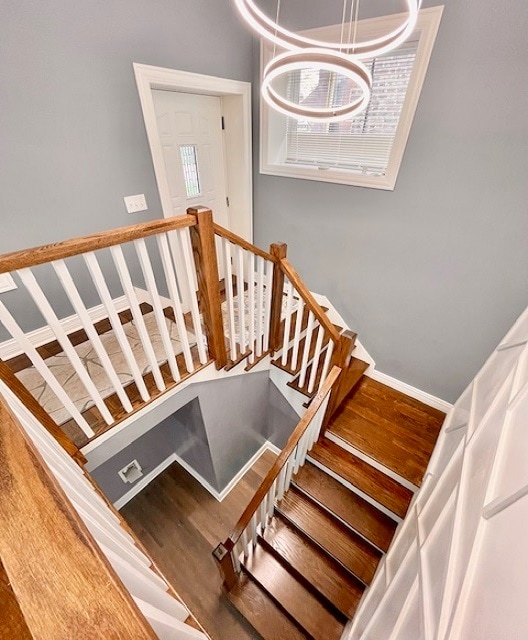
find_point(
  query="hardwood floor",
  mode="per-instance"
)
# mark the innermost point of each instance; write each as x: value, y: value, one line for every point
x: 180, y: 523
x: 390, y: 427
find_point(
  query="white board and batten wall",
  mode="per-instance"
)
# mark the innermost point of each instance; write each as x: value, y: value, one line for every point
x: 457, y: 569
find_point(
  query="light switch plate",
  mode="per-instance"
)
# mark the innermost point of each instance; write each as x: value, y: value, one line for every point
x: 6, y: 283
x: 137, y: 203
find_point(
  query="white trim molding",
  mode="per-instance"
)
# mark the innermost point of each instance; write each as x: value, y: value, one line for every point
x: 407, y: 389
x: 236, y: 109
x: 218, y: 495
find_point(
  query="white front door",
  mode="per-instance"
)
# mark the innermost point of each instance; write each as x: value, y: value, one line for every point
x: 191, y: 137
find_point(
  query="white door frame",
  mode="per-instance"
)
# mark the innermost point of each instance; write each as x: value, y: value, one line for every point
x: 236, y: 108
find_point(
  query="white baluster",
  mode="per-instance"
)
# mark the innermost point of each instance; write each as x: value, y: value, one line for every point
x: 260, y: 305
x: 128, y: 288
x: 268, y: 299
x: 315, y: 359
x: 263, y: 514
x: 253, y: 529
x: 73, y: 295
x: 287, y: 322
x: 251, y: 304
x: 282, y: 482
x: 306, y: 350
x: 289, y: 469
x: 240, y: 284
x: 297, y: 335
x: 235, y: 554
x: 150, y: 281
x: 190, y: 271
x: 245, y: 543
x: 175, y: 299
x: 327, y: 361
x: 38, y: 362
x: 271, y: 498
x: 229, y: 300
x: 106, y: 299
x: 302, y: 447
x: 42, y: 303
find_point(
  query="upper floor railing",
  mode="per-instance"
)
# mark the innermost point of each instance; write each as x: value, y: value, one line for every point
x: 124, y: 315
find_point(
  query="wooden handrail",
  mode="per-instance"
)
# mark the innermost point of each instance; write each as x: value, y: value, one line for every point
x: 282, y: 458
x: 29, y: 401
x: 232, y: 237
x: 75, y: 246
x: 64, y: 585
x: 309, y: 300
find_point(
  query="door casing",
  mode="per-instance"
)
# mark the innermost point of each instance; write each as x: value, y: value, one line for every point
x: 236, y: 109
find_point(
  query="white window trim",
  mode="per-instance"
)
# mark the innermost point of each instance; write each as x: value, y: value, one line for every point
x: 427, y: 26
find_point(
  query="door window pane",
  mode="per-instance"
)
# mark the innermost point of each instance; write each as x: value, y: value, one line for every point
x: 190, y: 170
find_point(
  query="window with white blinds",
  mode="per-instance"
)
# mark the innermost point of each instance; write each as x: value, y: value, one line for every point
x: 366, y: 150
x: 362, y: 144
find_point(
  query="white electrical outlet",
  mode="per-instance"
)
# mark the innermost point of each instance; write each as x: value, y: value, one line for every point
x: 131, y: 472
x: 6, y: 283
x: 134, y: 204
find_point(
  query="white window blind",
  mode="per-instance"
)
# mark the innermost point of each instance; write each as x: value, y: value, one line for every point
x: 362, y: 144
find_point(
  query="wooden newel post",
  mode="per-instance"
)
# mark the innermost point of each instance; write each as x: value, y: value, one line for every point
x: 204, y: 248
x: 340, y: 358
x: 222, y: 555
x: 278, y: 251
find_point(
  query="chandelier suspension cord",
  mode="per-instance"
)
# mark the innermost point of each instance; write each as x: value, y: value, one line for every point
x: 276, y: 26
x: 343, y: 20
x: 354, y: 18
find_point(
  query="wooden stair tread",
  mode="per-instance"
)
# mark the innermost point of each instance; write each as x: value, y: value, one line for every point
x: 317, y: 569
x: 359, y: 514
x: 262, y: 613
x: 398, y: 431
x: 292, y: 596
x: 368, y: 479
x: 346, y: 546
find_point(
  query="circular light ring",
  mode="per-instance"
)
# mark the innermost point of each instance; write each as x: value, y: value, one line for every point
x: 317, y: 59
x: 288, y: 40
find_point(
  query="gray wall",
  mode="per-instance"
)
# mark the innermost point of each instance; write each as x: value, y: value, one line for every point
x: 433, y: 274
x: 218, y: 429
x: 430, y: 275
x: 71, y: 127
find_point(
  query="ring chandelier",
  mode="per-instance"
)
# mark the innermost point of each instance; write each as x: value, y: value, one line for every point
x: 343, y: 58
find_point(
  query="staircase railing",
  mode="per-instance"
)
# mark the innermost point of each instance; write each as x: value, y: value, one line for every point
x: 127, y: 273
x: 62, y: 582
x: 257, y: 514
x: 248, y: 283
x: 90, y: 575
x: 162, y: 299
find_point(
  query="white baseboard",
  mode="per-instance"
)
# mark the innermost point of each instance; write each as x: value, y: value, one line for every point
x: 143, y: 482
x: 407, y: 389
x: 219, y: 495
x: 43, y: 335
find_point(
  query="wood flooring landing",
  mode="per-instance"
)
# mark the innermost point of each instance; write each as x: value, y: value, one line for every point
x: 180, y: 523
x: 390, y: 427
